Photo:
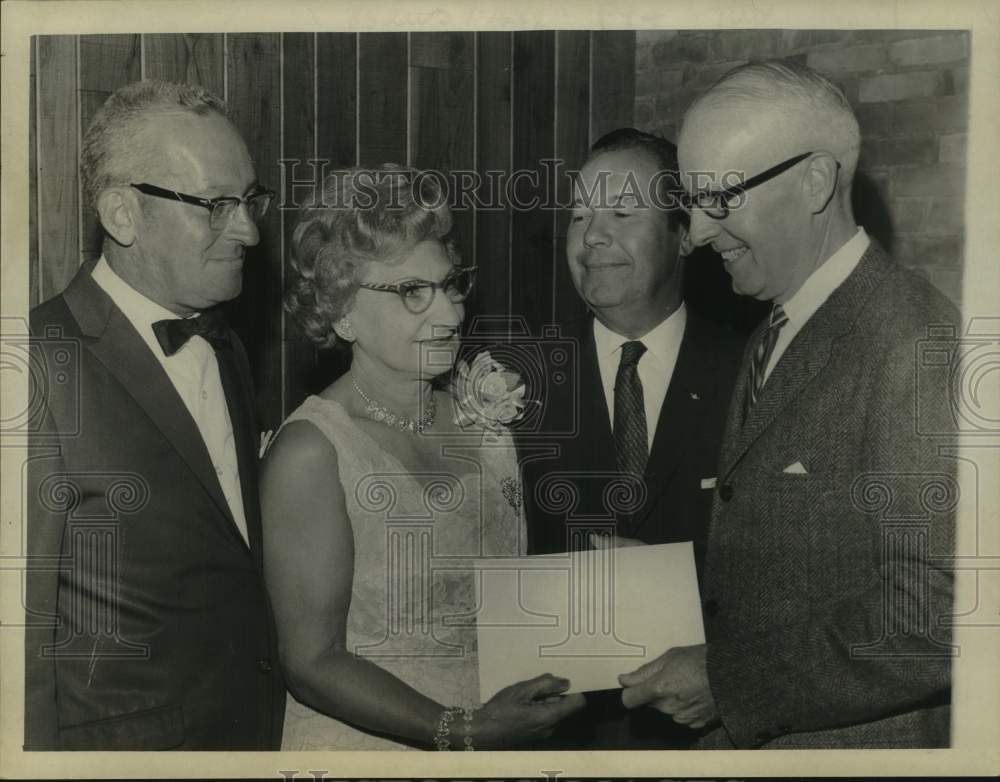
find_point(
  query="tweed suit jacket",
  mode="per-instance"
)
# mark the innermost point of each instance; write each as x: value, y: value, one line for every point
x: 148, y: 623
x: 825, y: 593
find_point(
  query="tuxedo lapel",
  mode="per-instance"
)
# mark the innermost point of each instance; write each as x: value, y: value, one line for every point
x: 236, y: 386
x: 804, y: 358
x: 689, y: 394
x: 113, y: 341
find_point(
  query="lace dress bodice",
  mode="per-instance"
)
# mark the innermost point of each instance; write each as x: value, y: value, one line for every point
x: 416, y: 536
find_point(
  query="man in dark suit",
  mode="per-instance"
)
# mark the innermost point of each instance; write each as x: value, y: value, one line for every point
x: 826, y: 589
x: 148, y: 623
x: 651, y: 389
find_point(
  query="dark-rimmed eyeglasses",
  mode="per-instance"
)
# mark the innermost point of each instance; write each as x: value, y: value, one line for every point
x: 717, y: 203
x: 418, y: 295
x: 220, y: 209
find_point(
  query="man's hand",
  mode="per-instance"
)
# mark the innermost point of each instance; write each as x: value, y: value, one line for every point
x: 675, y: 683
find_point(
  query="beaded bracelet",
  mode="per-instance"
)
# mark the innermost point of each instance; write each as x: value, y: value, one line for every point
x: 442, y: 735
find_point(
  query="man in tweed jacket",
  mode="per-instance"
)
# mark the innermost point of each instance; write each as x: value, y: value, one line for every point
x: 826, y: 592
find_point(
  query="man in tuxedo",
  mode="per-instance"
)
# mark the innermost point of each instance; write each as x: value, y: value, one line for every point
x: 651, y: 389
x: 148, y: 623
x: 826, y: 592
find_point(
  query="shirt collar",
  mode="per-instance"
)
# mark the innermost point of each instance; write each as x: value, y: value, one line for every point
x: 135, y: 306
x: 658, y: 341
x: 826, y: 279
x: 142, y: 312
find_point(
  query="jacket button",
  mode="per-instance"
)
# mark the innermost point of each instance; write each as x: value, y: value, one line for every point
x: 711, y: 607
x: 264, y: 664
x: 726, y: 492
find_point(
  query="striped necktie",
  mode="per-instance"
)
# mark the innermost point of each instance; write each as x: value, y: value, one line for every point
x: 761, y: 357
x: 631, y: 449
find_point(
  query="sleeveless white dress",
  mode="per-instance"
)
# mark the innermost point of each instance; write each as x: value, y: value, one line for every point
x: 415, y: 538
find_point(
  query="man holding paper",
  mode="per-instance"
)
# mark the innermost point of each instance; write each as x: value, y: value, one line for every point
x: 653, y: 385
x: 825, y: 623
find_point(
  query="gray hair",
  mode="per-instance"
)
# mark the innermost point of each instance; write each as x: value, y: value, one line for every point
x: 113, y: 152
x: 813, y: 105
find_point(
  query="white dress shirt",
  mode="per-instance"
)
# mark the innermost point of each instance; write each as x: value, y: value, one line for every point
x: 817, y: 289
x: 656, y: 367
x: 194, y: 372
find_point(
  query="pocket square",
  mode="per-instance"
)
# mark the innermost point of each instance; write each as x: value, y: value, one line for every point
x: 796, y: 469
x: 708, y: 483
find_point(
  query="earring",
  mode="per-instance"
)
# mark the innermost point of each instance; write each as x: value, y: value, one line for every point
x: 344, y: 329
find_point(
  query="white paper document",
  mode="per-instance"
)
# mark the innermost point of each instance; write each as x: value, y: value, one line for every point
x: 588, y: 616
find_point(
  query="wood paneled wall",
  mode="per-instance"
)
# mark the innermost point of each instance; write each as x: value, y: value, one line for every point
x: 492, y: 101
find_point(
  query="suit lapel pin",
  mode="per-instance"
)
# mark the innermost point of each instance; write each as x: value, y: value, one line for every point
x: 694, y: 395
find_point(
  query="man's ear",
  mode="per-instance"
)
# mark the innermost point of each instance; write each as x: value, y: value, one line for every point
x: 686, y: 245
x: 118, y: 210
x: 821, y: 181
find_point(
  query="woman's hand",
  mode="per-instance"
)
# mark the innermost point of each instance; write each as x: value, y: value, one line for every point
x: 523, y: 712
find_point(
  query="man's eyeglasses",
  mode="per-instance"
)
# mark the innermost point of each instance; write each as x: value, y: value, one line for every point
x: 220, y: 209
x: 418, y: 295
x: 716, y: 203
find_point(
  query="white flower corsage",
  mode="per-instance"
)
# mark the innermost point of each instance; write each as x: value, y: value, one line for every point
x: 487, y: 394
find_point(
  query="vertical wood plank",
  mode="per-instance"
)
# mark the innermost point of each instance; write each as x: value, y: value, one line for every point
x: 107, y: 62
x: 336, y: 142
x: 254, y: 77
x: 442, y: 118
x: 57, y: 163
x: 493, y: 153
x: 299, y: 91
x: 33, y: 270
x: 191, y: 58
x: 382, y: 98
x: 572, y: 144
x: 337, y: 98
x: 532, y: 241
x: 613, y: 77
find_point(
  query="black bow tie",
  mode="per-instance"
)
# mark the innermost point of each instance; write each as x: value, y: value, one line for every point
x: 174, y: 333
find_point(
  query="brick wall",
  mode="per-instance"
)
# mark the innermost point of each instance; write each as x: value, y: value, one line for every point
x: 910, y: 92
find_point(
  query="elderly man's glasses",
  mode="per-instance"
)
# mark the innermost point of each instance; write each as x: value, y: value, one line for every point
x: 418, y: 295
x: 716, y: 203
x: 220, y: 209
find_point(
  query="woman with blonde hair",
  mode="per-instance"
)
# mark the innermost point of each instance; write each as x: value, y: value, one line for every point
x: 380, y: 492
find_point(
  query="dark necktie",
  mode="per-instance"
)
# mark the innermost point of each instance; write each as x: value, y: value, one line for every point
x: 631, y: 449
x: 174, y: 333
x: 761, y: 356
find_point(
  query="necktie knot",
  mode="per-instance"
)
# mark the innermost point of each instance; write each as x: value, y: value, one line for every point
x: 631, y: 353
x: 762, y: 356
x: 174, y: 333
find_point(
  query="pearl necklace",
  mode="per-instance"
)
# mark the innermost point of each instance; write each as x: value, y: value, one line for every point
x: 383, y: 415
